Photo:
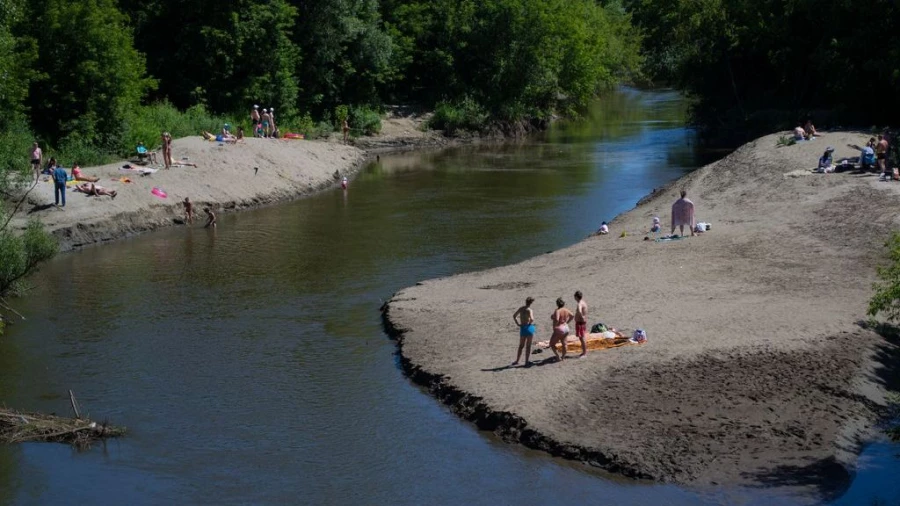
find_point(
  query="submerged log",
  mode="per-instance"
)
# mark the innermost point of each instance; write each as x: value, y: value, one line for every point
x: 19, y: 427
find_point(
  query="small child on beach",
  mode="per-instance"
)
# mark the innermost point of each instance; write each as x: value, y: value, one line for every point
x: 656, y: 226
x: 188, y: 211
x: 604, y: 229
x: 210, y: 218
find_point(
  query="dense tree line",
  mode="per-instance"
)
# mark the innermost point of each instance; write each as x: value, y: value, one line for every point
x: 78, y: 73
x: 755, y: 65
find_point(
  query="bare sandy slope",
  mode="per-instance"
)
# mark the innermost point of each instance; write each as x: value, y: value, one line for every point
x: 223, y: 179
x: 756, y: 370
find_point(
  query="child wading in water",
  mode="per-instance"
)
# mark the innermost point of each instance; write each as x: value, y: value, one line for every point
x: 210, y: 218
x: 188, y: 211
x: 524, y: 318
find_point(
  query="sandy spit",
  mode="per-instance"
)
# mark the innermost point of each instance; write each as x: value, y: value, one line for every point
x: 224, y: 180
x: 757, y: 372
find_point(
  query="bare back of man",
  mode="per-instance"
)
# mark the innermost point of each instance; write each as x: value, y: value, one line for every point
x: 524, y: 318
x: 581, y: 311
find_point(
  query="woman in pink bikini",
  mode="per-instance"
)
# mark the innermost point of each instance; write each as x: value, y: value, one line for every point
x: 561, y: 318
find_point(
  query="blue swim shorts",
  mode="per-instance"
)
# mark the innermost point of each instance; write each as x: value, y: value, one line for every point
x: 526, y: 330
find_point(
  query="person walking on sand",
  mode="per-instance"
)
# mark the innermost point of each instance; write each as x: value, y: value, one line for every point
x: 37, y: 159
x: 524, y: 318
x: 881, y: 150
x: 683, y: 214
x: 210, y: 218
x: 581, y: 321
x: 59, y: 185
x: 188, y: 211
x: 560, y: 318
x: 346, y: 128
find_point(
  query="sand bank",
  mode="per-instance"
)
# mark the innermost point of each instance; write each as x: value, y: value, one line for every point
x: 224, y: 179
x: 757, y: 371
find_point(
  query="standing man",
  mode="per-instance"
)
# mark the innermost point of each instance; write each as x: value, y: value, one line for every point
x: 188, y: 211
x: 165, y: 150
x: 37, y: 159
x: 683, y: 214
x: 59, y: 184
x: 581, y: 321
x: 210, y: 218
x: 272, y: 124
x: 254, y: 118
x: 524, y: 318
x: 346, y: 128
x: 881, y: 150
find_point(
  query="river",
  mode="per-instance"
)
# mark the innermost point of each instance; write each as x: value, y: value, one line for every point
x: 250, y: 365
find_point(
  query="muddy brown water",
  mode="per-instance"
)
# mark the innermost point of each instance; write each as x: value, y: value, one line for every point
x: 250, y: 363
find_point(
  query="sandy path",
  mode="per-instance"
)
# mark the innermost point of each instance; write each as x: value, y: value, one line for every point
x: 756, y: 370
x: 223, y: 179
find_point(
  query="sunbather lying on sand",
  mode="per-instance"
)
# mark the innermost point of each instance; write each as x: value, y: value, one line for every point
x: 95, y: 190
x: 77, y: 175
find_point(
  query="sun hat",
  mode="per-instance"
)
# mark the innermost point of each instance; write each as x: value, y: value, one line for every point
x: 255, y: 106
x: 829, y: 149
x: 265, y: 110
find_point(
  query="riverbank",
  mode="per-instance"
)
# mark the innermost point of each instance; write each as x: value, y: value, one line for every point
x: 225, y: 179
x: 757, y: 371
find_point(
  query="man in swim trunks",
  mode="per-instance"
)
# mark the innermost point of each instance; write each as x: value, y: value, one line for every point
x: 581, y: 321
x: 188, y: 211
x: 524, y: 318
x: 560, y: 318
x: 254, y: 118
x: 881, y: 150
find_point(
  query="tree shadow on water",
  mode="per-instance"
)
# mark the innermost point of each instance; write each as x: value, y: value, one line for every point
x: 827, y: 478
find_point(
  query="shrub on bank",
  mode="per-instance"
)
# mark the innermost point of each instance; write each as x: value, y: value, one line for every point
x: 886, y: 299
x: 453, y: 117
x: 364, y: 120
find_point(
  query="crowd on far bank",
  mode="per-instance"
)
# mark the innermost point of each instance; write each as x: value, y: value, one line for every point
x: 873, y: 157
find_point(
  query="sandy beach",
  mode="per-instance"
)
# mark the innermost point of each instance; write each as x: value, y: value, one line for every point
x: 757, y: 371
x: 225, y: 179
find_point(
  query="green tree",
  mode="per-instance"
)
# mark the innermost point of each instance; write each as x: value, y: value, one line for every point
x: 21, y: 255
x: 92, y: 77
x: 347, y: 53
x: 886, y: 299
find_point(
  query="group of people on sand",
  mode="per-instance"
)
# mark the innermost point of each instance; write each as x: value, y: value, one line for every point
x: 225, y: 135
x: 805, y: 132
x: 61, y: 178
x: 682, y: 215
x: 560, y: 319
x: 264, y: 124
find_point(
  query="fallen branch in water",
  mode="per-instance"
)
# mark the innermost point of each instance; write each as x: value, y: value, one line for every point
x: 18, y: 427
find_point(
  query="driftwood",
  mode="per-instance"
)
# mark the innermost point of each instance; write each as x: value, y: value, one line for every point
x: 17, y: 427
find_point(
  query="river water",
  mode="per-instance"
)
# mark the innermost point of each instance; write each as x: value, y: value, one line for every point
x: 250, y: 365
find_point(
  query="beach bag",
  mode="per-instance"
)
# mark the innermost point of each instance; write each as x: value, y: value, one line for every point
x: 598, y: 328
x: 639, y: 336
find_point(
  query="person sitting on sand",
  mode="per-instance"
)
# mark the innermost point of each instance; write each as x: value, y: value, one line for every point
x: 810, y: 129
x: 95, y: 190
x: 208, y: 135
x: 604, y: 229
x: 799, y: 134
x: 560, y: 318
x: 524, y: 318
x: 826, y: 161
x: 236, y: 139
x: 143, y: 151
x: 683, y: 214
x: 210, y: 218
x: 77, y: 175
x: 188, y: 211
x: 51, y: 166
x: 656, y: 227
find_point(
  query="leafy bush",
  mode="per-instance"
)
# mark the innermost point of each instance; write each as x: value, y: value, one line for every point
x: 364, y: 120
x: 887, y: 291
x: 15, y: 144
x: 785, y: 140
x: 20, y: 255
x: 464, y: 115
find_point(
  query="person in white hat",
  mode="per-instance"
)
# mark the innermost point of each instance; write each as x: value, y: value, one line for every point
x: 254, y: 118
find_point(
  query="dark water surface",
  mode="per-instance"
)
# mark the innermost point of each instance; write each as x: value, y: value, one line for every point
x: 250, y: 364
